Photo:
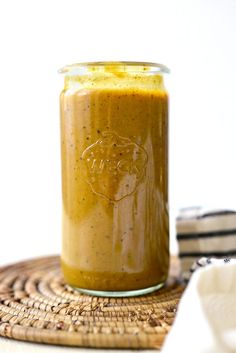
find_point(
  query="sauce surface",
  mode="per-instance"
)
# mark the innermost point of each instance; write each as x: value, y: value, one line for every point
x: 114, y: 181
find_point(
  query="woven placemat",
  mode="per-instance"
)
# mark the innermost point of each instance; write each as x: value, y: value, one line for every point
x: 36, y: 306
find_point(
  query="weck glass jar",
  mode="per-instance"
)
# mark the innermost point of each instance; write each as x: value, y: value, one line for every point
x: 114, y: 149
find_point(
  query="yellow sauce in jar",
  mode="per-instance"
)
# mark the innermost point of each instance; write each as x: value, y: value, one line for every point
x: 114, y: 177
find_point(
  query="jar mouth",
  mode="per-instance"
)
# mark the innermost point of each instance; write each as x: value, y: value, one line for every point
x: 117, y: 66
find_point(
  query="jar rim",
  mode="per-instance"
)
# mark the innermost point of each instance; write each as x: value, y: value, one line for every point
x: 134, y: 66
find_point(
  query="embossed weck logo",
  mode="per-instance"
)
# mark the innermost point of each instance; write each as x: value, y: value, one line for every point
x: 115, y: 166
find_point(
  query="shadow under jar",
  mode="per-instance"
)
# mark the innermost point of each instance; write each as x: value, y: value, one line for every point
x: 114, y: 148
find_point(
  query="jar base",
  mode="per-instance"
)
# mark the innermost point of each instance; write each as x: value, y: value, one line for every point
x: 117, y: 294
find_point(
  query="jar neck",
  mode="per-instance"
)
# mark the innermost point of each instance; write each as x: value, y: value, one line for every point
x: 114, y: 75
x: 115, y: 67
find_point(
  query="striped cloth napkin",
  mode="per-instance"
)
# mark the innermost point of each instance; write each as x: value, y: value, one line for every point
x: 206, y: 317
x: 204, y: 235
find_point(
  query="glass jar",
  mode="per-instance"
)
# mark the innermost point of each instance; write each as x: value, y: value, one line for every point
x: 114, y: 149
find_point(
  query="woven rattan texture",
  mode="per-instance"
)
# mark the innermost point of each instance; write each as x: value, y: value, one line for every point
x: 36, y: 305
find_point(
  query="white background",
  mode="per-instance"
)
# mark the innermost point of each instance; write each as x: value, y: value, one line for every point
x: 196, y: 39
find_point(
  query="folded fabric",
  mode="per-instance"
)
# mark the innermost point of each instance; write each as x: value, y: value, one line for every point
x: 208, y: 233
x: 206, y: 317
x: 205, y: 261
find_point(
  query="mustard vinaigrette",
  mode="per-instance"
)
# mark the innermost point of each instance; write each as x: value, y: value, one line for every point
x: 114, y: 149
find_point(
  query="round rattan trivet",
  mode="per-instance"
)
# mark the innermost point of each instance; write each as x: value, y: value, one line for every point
x: 36, y: 305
